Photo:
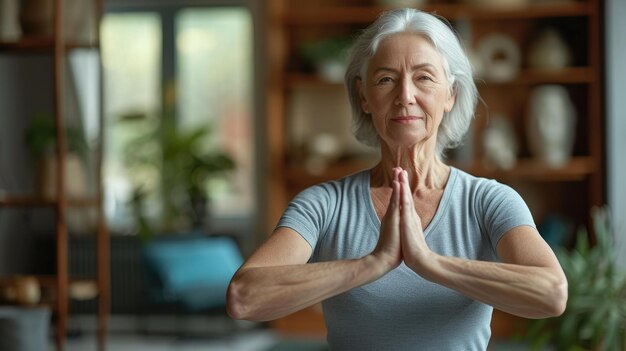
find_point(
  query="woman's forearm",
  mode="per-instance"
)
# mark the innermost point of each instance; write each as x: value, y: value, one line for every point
x: 266, y: 293
x: 526, y: 291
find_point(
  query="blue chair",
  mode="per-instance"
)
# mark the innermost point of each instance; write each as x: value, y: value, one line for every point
x: 190, y: 270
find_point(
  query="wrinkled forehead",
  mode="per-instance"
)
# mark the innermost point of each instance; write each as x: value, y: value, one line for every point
x: 408, y: 46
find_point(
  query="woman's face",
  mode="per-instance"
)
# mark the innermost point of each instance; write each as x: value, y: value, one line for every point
x: 406, y: 90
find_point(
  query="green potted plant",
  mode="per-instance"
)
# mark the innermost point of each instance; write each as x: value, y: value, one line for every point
x: 595, y: 317
x: 41, y: 140
x: 180, y: 157
x: 328, y: 56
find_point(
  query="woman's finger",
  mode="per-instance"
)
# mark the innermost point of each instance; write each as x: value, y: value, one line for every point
x: 394, y: 205
x: 414, y: 247
x: 408, y: 208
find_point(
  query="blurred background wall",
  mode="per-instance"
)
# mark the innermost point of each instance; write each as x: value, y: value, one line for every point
x: 616, y: 115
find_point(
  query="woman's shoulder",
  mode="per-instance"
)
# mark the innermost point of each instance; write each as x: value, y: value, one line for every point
x: 473, y: 180
x: 492, y: 202
x: 479, y: 186
x: 336, y: 187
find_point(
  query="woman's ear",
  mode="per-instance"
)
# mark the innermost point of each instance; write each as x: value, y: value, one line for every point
x: 359, y: 88
x: 450, y: 102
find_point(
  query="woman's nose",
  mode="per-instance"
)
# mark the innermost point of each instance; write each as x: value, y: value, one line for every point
x: 406, y: 93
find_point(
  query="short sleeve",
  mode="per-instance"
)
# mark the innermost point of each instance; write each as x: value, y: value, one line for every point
x: 309, y: 212
x: 502, y: 209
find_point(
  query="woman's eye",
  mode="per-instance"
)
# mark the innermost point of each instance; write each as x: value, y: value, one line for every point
x: 384, y: 80
x: 428, y: 78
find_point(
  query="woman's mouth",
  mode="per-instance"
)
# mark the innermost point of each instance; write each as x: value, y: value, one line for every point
x: 406, y: 119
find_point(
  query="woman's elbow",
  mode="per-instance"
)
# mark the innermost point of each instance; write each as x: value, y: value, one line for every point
x: 558, y: 300
x: 235, y: 300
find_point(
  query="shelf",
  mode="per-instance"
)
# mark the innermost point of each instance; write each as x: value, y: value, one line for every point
x: 297, y: 176
x: 293, y: 80
x: 570, y: 75
x: 578, y: 169
x: 78, y: 289
x: 367, y: 14
x: 24, y: 201
x: 56, y: 288
x: 40, y: 45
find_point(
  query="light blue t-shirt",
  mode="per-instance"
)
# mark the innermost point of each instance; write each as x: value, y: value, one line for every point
x: 401, y: 310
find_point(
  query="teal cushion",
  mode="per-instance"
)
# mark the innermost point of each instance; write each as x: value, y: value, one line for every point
x: 195, y: 270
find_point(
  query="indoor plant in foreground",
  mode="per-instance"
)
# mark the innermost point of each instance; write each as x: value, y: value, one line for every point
x: 595, y: 316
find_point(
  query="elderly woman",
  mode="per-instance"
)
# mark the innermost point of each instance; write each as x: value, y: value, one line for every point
x: 412, y: 254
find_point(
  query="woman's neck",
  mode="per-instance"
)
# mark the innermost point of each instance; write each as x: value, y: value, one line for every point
x: 424, y: 168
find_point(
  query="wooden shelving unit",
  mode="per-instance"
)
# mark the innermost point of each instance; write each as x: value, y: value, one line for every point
x: 61, y: 283
x: 291, y: 22
x: 342, y: 14
x: 286, y: 19
x: 570, y: 75
x: 41, y: 44
x: 48, y: 284
x: 577, y: 169
x: 33, y: 201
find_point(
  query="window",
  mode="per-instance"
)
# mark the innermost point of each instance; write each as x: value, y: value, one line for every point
x: 214, y: 71
x: 212, y: 75
x: 132, y: 83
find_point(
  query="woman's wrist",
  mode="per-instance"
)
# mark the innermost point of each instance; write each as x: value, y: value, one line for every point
x: 426, y: 265
x: 378, y: 264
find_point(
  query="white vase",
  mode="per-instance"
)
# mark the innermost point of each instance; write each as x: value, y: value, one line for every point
x: 551, y: 125
x: 499, y: 143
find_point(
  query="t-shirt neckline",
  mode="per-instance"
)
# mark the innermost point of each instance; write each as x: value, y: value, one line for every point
x: 443, y: 203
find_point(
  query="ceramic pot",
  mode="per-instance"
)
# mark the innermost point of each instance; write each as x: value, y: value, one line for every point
x: 549, y: 51
x: 24, y: 291
x: 501, y: 57
x: 331, y: 71
x: 76, y: 179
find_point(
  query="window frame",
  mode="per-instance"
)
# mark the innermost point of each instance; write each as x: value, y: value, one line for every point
x: 251, y: 232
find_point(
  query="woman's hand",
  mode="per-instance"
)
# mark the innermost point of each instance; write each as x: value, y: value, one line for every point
x: 388, y: 250
x: 529, y: 282
x: 415, y: 251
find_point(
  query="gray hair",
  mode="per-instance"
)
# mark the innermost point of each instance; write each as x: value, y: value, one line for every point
x: 455, y: 63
